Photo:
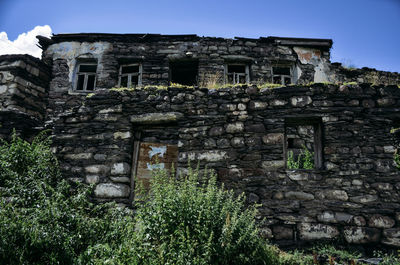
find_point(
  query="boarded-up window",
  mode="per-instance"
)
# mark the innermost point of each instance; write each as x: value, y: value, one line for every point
x: 154, y: 156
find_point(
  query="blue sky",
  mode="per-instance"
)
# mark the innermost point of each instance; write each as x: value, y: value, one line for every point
x: 365, y: 32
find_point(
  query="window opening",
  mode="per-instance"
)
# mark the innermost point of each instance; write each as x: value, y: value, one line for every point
x: 282, y: 75
x: 184, y: 72
x: 237, y: 73
x: 130, y: 75
x: 303, y: 144
x: 86, y: 77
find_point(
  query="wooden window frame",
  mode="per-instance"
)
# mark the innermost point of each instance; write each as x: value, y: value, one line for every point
x: 129, y: 75
x: 236, y: 76
x: 86, y: 77
x: 318, y: 148
x: 283, y: 76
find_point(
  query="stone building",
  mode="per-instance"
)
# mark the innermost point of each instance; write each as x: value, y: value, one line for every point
x: 315, y: 151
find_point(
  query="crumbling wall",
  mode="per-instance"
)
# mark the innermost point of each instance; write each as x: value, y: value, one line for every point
x: 156, y: 53
x: 24, y: 82
x: 240, y: 133
x: 364, y: 75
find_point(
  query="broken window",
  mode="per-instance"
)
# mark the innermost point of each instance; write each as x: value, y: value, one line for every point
x: 303, y: 144
x: 130, y: 75
x: 236, y: 74
x: 184, y: 72
x: 282, y: 75
x: 86, y: 77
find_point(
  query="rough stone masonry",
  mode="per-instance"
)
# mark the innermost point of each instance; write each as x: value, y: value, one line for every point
x: 247, y: 134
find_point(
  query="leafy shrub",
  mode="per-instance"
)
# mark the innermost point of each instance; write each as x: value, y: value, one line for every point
x: 43, y: 218
x: 186, y: 222
x: 305, y: 160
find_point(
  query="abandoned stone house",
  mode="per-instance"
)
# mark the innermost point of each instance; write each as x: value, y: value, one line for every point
x: 316, y: 152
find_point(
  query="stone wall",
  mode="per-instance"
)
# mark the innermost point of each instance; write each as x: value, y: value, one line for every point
x: 309, y: 58
x: 24, y: 82
x: 240, y: 133
x: 364, y: 75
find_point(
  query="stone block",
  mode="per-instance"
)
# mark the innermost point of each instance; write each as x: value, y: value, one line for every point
x: 266, y: 232
x: 257, y: 105
x: 79, y: 156
x: 361, y: 235
x: 311, y: 231
x: 120, y: 168
x: 273, y: 165
x: 97, y: 169
x: 273, y: 138
x: 237, y: 141
x: 258, y: 128
x: 282, y: 232
x: 339, y: 195
x: 297, y: 175
x: 235, y: 127
x: 278, y: 102
x: 216, y: 131
x: 121, y: 179
x: 114, y: 109
x: 380, y: 221
x: 156, y: 118
x: 111, y: 190
x: 92, y: 179
x: 299, y: 195
x: 359, y: 221
x: 3, y: 89
x: 300, y: 101
x: 391, y: 237
x: 368, y: 198
x: 122, y: 135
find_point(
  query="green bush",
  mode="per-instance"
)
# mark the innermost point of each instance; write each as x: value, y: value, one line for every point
x: 43, y: 218
x: 305, y: 160
x: 186, y: 222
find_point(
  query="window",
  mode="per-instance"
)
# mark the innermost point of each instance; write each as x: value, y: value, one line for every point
x: 184, y: 72
x: 236, y: 74
x: 86, y: 77
x: 130, y: 75
x: 282, y: 75
x: 303, y: 143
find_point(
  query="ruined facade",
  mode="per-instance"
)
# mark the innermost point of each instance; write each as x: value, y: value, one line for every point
x: 317, y: 156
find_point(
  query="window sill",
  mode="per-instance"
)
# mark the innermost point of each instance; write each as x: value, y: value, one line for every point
x: 82, y: 92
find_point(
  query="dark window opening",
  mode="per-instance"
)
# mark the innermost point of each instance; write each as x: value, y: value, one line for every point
x: 281, y: 70
x: 86, y: 77
x: 87, y: 68
x: 282, y: 75
x: 290, y: 143
x: 237, y: 73
x: 184, y: 72
x: 81, y: 81
x: 303, y: 144
x: 90, y: 82
x: 130, y: 75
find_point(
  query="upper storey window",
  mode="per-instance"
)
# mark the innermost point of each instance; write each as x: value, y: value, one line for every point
x: 130, y: 75
x: 282, y: 75
x: 86, y: 77
x: 184, y: 72
x: 237, y: 73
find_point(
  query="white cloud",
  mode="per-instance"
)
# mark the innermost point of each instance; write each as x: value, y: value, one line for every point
x: 25, y: 43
